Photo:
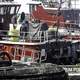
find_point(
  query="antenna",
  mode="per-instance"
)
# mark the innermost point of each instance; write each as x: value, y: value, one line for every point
x: 69, y: 3
x: 58, y: 14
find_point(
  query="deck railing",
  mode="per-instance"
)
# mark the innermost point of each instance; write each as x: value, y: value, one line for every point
x: 40, y: 36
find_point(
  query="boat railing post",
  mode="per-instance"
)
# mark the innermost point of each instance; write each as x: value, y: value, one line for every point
x: 40, y: 35
x: 70, y: 35
x: 69, y: 51
x: 30, y: 38
x: 23, y: 37
x: 55, y: 34
x: 47, y: 35
x: 44, y: 35
x: 61, y: 51
x: 23, y: 47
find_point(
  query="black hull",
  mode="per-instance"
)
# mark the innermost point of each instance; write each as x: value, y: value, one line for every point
x: 63, y: 52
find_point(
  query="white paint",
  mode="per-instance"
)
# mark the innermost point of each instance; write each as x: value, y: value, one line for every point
x: 24, y: 6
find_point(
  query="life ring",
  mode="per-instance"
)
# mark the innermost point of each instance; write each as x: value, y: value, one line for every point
x: 3, y: 61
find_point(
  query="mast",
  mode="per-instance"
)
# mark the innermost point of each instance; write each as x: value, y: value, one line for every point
x: 69, y: 3
x: 58, y: 14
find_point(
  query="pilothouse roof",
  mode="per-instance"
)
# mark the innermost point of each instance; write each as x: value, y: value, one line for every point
x: 9, y: 3
x: 34, y: 2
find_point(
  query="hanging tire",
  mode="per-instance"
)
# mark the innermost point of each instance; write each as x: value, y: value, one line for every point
x: 3, y: 61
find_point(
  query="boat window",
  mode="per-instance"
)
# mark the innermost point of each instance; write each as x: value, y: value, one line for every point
x: 1, y: 10
x: 7, y: 10
x: 33, y: 7
x: 17, y: 9
x: 12, y: 10
x: 4, y: 10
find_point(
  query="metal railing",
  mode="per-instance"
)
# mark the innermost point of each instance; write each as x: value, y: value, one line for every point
x: 40, y: 36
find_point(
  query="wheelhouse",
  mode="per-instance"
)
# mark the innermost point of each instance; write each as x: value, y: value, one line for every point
x: 7, y: 10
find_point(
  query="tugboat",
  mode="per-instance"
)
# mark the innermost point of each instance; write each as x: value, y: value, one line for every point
x: 10, y: 49
x: 40, y: 38
x: 41, y: 45
x: 63, y: 47
x: 63, y: 33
